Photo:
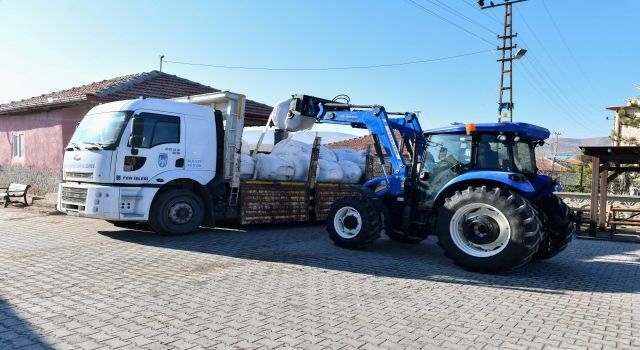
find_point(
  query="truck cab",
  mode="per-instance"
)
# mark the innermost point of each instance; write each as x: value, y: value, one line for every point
x: 122, y: 153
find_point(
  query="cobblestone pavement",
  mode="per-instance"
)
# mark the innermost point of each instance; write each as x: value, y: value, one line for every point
x: 76, y: 283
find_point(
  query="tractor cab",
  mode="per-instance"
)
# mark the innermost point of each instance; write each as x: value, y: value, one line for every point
x: 489, y: 148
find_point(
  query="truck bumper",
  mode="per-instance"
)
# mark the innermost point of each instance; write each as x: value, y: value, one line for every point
x: 105, y: 202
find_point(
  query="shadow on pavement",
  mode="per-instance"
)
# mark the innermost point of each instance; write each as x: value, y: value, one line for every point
x: 15, y: 332
x: 586, y: 266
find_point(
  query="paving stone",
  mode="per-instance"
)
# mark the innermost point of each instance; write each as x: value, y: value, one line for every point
x: 78, y: 283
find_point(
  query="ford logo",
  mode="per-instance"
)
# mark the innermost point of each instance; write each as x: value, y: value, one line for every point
x: 76, y: 157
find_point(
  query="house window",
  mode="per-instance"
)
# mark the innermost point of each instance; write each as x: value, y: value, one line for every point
x: 18, y: 146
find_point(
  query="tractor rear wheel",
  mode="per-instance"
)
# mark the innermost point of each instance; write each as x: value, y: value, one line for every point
x: 353, y: 222
x: 488, y: 230
x: 558, y: 227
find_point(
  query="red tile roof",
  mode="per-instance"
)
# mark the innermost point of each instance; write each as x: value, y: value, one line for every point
x: 359, y: 143
x: 547, y: 165
x: 149, y: 84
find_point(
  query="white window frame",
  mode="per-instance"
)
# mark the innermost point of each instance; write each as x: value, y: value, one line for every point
x: 17, y: 146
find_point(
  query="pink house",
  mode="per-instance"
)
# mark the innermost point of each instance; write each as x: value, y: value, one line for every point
x: 34, y: 131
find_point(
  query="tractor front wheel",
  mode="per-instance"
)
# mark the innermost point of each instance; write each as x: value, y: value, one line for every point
x: 353, y: 222
x: 488, y: 230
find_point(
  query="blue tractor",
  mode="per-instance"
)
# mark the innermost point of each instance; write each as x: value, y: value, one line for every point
x: 475, y: 186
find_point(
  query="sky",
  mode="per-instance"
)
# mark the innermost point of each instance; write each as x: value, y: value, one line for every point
x: 582, y: 55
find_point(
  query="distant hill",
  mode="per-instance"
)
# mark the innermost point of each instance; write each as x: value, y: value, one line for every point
x: 571, y: 146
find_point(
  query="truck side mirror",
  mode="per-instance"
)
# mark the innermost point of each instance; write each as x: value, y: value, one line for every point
x: 136, y: 138
x: 135, y: 141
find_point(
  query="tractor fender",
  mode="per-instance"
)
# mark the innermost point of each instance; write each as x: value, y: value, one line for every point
x: 514, y: 181
x: 544, y: 186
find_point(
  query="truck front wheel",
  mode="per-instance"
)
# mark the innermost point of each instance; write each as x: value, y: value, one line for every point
x: 176, y: 212
x: 353, y: 222
x: 488, y: 230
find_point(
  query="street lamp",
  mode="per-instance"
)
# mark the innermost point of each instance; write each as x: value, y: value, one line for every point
x: 519, y: 54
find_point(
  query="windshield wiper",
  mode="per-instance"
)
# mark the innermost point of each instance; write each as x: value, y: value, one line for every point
x: 74, y: 146
x: 95, y: 146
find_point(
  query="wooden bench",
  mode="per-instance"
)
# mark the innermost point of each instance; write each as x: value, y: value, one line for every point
x: 613, y: 220
x: 14, y: 191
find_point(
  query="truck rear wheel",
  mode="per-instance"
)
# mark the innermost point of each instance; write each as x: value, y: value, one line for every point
x: 176, y: 212
x: 488, y: 230
x: 353, y: 222
x: 557, y: 225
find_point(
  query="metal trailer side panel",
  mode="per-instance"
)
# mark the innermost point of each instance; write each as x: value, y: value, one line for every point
x: 327, y: 194
x: 266, y: 202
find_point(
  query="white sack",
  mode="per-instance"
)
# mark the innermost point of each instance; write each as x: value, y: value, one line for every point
x: 301, y: 164
x: 271, y: 167
x: 289, y: 146
x: 358, y: 157
x: 281, y: 120
x: 246, y: 166
x: 327, y: 154
x: 245, y: 147
x: 329, y: 171
x: 351, y: 172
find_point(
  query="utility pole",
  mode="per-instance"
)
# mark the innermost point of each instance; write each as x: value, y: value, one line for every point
x: 555, y: 151
x: 161, y: 58
x: 506, y: 62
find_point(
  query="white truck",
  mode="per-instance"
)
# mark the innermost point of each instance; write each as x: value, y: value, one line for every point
x: 176, y: 165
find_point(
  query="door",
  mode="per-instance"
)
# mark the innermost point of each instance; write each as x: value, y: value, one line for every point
x: 447, y: 156
x: 158, y: 146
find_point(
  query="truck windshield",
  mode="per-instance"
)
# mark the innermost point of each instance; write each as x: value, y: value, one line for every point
x: 524, y: 157
x: 101, y: 130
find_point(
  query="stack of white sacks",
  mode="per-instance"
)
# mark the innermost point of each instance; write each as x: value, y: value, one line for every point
x: 289, y: 161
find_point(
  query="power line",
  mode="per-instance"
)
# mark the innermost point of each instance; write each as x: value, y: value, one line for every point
x: 560, y: 100
x: 475, y: 7
x: 535, y: 83
x: 564, y: 42
x: 331, y: 68
x: 431, y: 12
x: 461, y: 15
x: 555, y: 64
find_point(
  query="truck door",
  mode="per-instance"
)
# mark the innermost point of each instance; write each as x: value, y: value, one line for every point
x: 155, y: 145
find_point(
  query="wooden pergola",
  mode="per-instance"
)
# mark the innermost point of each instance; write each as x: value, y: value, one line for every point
x: 605, y: 160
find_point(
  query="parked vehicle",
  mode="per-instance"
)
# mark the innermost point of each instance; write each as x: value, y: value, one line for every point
x: 175, y: 164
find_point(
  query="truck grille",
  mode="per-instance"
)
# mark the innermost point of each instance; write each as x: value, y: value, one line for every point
x: 74, y: 195
x: 78, y: 175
